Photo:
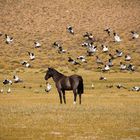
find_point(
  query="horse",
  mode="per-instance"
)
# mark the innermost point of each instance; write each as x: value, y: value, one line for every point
x: 62, y: 83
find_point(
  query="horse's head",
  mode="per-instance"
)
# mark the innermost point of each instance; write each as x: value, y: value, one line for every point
x: 49, y: 73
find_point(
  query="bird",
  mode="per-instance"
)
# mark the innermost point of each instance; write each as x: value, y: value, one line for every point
x: 26, y: 64
x: 6, y: 81
x: 99, y: 61
x: 73, y: 61
x: 122, y: 66
x: 127, y: 57
x: 135, y: 88
x: 108, y: 31
x: 110, y: 63
x: 56, y: 44
x: 17, y: 79
x: 88, y: 36
x: 70, y: 29
x: 31, y: 55
x: 135, y: 35
x: 104, y: 48
x: 119, y: 53
x: 130, y: 67
x: 9, y: 39
x: 9, y: 90
x: 102, y: 78
x: 61, y: 50
x: 82, y: 58
x: 91, y: 50
x: 1, y: 91
x: 120, y: 86
x: 117, y: 37
x: 106, y: 68
x: 37, y: 44
x: 48, y: 87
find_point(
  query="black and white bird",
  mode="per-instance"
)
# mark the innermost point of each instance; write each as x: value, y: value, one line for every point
x: 9, y: 39
x: 7, y: 82
x: 127, y: 57
x: 135, y: 35
x: 104, y: 48
x: 26, y: 64
x: 70, y: 29
x: 72, y: 61
x: 102, y: 78
x: 120, y: 86
x: 56, y: 44
x: 99, y: 61
x: 91, y: 50
x: 117, y: 37
x: 61, y: 50
x: 110, y: 62
x: 106, y: 68
x: 108, y: 31
x: 37, y: 44
x: 122, y: 66
x: 119, y: 53
x: 17, y: 79
x: 135, y: 88
x: 48, y: 87
x: 31, y: 55
x: 88, y: 36
x: 130, y: 67
x: 82, y: 58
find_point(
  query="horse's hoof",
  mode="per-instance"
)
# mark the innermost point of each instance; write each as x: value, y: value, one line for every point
x: 74, y: 103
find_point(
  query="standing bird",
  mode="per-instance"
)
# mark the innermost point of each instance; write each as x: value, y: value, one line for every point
x: 108, y: 31
x: 31, y: 55
x: 117, y: 37
x: 8, y: 39
x: 104, y: 48
x: 106, y: 68
x: 119, y: 53
x: 26, y: 64
x: 16, y: 79
x: 127, y: 57
x: 73, y: 61
x: 37, y: 44
x: 70, y: 30
x: 134, y: 35
x: 48, y: 87
x: 82, y: 58
x: 122, y: 66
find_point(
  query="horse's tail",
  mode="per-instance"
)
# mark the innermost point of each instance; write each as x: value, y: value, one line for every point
x: 81, y: 86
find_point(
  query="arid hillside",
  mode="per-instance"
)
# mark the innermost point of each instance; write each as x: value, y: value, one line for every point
x: 46, y: 21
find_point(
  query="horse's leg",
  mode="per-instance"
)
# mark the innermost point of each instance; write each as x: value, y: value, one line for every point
x: 75, y: 96
x: 79, y: 98
x: 60, y: 96
x: 64, y: 98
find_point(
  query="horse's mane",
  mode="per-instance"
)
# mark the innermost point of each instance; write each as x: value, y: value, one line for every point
x: 56, y: 72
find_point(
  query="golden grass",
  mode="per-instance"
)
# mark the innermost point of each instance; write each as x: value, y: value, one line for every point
x: 105, y: 114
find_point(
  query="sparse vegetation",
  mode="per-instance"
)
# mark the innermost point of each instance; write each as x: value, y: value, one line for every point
x: 106, y: 113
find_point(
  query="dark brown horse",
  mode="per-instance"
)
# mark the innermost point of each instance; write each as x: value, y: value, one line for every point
x: 62, y: 82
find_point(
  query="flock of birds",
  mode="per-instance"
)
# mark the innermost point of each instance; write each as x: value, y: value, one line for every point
x: 91, y: 50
